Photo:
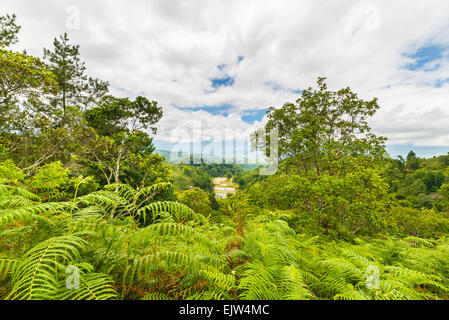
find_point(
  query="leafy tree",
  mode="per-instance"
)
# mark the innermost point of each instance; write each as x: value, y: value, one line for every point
x: 75, y: 88
x: 322, y: 128
x: 330, y: 161
x: 115, y: 137
x: 337, y: 206
x: 197, y: 200
x: 416, y: 188
x: 8, y: 30
x: 247, y: 178
x: 444, y: 202
x: 187, y: 176
x: 114, y: 115
x: 433, y: 180
x: 420, y: 223
x: 412, y: 162
x: 144, y: 170
x: 32, y: 140
x: 23, y: 76
x: 394, y: 173
x: 202, y: 180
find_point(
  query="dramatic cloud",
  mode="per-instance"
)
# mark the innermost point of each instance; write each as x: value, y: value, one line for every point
x: 225, y: 62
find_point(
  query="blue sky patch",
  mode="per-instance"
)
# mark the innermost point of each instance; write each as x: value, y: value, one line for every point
x: 253, y: 116
x: 440, y: 82
x: 222, y: 82
x: 223, y: 109
x: 424, y: 55
x: 423, y: 152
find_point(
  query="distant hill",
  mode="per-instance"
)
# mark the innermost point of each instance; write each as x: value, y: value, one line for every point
x: 186, y: 158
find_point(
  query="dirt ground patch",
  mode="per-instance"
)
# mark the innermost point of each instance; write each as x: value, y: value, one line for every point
x: 220, y: 180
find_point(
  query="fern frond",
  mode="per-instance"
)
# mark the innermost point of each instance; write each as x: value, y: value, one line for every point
x: 36, y: 276
x: 220, y: 280
x: 92, y: 286
x: 292, y: 283
x: 156, y: 296
x: 7, y: 266
x: 179, y: 212
x: 8, y: 190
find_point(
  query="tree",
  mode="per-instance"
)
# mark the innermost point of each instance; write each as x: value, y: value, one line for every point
x: 339, y: 206
x: 116, y: 135
x: 114, y: 115
x: 8, y: 30
x: 444, y: 192
x: 197, y: 200
x: 412, y: 162
x: 75, y: 88
x: 23, y: 131
x: 23, y: 76
x: 202, y: 180
x: 144, y: 170
x: 322, y: 129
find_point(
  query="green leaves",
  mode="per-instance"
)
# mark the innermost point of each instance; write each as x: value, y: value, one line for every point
x: 92, y: 286
x: 113, y: 115
x: 8, y: 30
x: 117, y: 144
x: 197, y: 200
x: 38, y: 273
x: 179, y: 212
x: 24, y: 75
x: 41, y: 274
x: 75, y: 88
x: 180, y: 254
x: 354, y: 204
x: 323, y: 128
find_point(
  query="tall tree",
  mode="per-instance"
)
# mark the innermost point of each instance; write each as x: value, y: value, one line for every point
x: 25, y: 135
x: 114, y: 115
x: 23, y: 76
x: 118, y: 139
x: 412, y: 161
x: 322, y: 128
x: 8, y: 30
x: 75, y: 88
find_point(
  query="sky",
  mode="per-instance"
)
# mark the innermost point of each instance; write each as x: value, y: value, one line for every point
x: 216, y: 66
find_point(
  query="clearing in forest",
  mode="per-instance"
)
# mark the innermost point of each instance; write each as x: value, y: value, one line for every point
x: 223, y: 187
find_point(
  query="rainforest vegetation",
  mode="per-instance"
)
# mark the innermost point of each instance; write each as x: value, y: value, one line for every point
x: 88, y: 210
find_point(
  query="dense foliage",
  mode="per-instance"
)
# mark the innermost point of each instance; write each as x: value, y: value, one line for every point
x: 88, y: 210
x: 128, y: 246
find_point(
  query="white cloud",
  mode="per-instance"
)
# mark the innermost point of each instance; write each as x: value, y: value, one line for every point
x: 169, y: 51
